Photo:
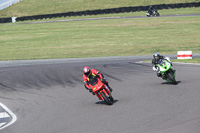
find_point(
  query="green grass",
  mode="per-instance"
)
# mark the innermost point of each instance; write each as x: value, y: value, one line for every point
x: 195, y: 60
x: 116, y: 37
x: 37, y: 7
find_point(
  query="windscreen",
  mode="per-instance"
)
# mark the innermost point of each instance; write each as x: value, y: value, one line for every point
x: 93, y: 81
x: 161, y: 62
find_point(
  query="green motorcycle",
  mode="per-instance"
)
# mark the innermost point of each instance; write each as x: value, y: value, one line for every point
x: 167, y: 71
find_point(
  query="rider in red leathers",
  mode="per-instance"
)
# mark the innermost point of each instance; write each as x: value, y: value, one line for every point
x: 88, y: 73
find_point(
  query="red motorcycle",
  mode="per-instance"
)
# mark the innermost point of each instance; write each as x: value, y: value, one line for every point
x: 101, y: 90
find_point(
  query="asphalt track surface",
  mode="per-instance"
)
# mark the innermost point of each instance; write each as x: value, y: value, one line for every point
x: 49, y: 97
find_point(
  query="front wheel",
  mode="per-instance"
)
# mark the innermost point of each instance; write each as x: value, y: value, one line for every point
x: 171, y: 77
x: 111, y: 98
x: 106, y: 99
x: 157, y: 14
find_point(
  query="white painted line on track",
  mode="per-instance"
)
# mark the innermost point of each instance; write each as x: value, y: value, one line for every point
x: 14, y: 117
x: 4, y: 115
x: 1, y: 124
x: 139, y: 62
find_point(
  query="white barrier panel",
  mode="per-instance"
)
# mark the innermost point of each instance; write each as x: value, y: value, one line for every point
x: 184, y: 55
x: 14, y: 19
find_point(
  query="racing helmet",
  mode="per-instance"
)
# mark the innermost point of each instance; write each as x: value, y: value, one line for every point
x: 156, y: 55
x: 86, y: 70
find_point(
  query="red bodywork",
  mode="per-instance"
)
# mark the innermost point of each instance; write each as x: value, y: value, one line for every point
x: 97, y: 87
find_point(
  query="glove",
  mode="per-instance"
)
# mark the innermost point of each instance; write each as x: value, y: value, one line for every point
x: 90, y: 90
x: 103, y: 80
x: 97, y: 76
x: 155, y: 68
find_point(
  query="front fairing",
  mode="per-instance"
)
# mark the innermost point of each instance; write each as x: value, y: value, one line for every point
x: 165, y: 68
x: 93, y: 81
x: 163, y: 65
x: 95, y: 84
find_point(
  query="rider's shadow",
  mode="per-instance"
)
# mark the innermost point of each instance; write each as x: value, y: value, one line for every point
x: 102, y: 102
x: 168, y: 83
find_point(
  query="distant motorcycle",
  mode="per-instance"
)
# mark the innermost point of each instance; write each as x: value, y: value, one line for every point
x: 167, y: 71
x: 101, y: 90
x: 152, y: 12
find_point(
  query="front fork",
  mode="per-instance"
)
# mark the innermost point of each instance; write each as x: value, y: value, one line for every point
x: 105, y: 90
x: 165, y: 74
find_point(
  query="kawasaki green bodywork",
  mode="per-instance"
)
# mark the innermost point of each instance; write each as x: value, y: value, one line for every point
x: 165, y: 68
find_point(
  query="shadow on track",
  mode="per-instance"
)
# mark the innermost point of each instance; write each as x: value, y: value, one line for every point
x: 177, y: 82
x: 102, y: 102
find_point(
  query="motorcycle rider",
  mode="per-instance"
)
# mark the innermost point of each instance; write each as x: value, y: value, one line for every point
x: 156, y: 58
x: 152, y: 11
x: 88, y: 73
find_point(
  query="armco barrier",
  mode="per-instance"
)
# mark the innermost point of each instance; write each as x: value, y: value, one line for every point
x: 103, y: 11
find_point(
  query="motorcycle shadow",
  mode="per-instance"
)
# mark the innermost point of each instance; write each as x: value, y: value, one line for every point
x: 168, y: 83
x: 102, y: 102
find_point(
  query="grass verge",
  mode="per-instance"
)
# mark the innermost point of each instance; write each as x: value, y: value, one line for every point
x: 38, y: 7
x: 110, y: 37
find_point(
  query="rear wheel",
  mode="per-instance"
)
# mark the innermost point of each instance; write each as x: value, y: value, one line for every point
x: 106, y: 99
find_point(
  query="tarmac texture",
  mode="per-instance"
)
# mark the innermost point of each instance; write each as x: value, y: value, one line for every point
x: 51, y: 98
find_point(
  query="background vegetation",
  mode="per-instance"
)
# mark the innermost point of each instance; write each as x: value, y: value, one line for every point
x: 108, y: 37
x: 38, y: 7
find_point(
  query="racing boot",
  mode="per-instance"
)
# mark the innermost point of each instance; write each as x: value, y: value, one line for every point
x: 174, y: 71
x: 106, y: 82
x: 110, y: 88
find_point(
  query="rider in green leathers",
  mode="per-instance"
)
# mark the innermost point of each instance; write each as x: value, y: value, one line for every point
x: 156, y: 58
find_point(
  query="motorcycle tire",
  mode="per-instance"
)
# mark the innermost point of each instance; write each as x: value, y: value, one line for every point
x: 170, y: 75
x: 111, y: 98
x: 157, y: 14
x: 106, y: 99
